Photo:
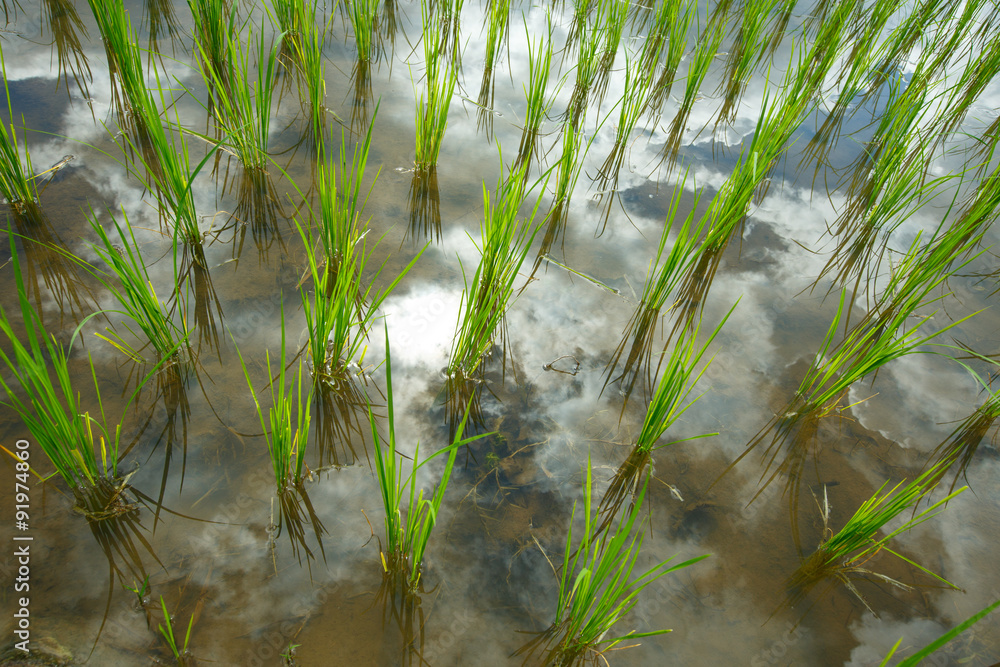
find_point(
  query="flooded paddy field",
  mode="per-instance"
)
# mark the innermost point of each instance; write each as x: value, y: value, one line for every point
x: 715, y: 276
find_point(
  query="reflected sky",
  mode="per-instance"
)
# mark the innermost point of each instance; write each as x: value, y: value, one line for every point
x: 487, y: 575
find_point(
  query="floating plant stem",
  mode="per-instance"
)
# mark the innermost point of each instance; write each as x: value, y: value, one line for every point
x: 597, y: 588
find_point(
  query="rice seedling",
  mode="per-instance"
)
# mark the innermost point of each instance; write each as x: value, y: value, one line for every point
x: 745, y: 55
x: 587, y: 62
x: 721, y: 12
x: 538, y: 105
x: 308, y: 51
x: 340, y: 312
x: 897, y: 132
x: 17, y: 180
x: 885, y: 334
x: 180, y: 653
x: 66, y: 27
x: 409, y: 516
x: 843, y: 557
x: 866, y: 224
x: 286, y: 424
x: 128, y: 82
x: 923, y: 268
x: 630, y: 108
x: 976, y: 75
x: 658, y: 35
x: 161, y: 21
x: 286, y: 429
x: 135, y: 295
x: 570, y: 162
x: 904, y: 37
x: 747, y: 183
x: 567, y: 172
x: 701, y: 60
x: 162, y: 153
x: 916, y: 658
x: 168, y: 172
x: 612, y: 15
x: 496, y: 27
x: 214, y: 22
x: 667, y: 404
x: 679, y: 19
x: 450, y: 22
x: 433, y: 104
x: 363, y: 15
x: 241, y: 102
x: 83, y: 449
x: 578, y: 25
x: 505, y: 240
x: 780, y: 25
x: 663, y: 277
x: 598, y: 586
x: 291, y: 18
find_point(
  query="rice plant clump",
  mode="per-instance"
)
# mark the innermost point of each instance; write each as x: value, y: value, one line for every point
x: 84, y: 449
x: 433, y: 104
x: 286, y: 425
x: 17, y: 181
x: 505, y: 240
x: 134, y: 292
x: 597, y: 588
x: 340, y: 311
x: 409, y: 516
x: 842, y: 557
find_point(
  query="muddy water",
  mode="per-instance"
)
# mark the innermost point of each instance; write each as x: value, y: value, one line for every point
x: 215, y: 552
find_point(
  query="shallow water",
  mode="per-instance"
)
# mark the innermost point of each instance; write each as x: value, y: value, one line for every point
x: 198, y: 442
